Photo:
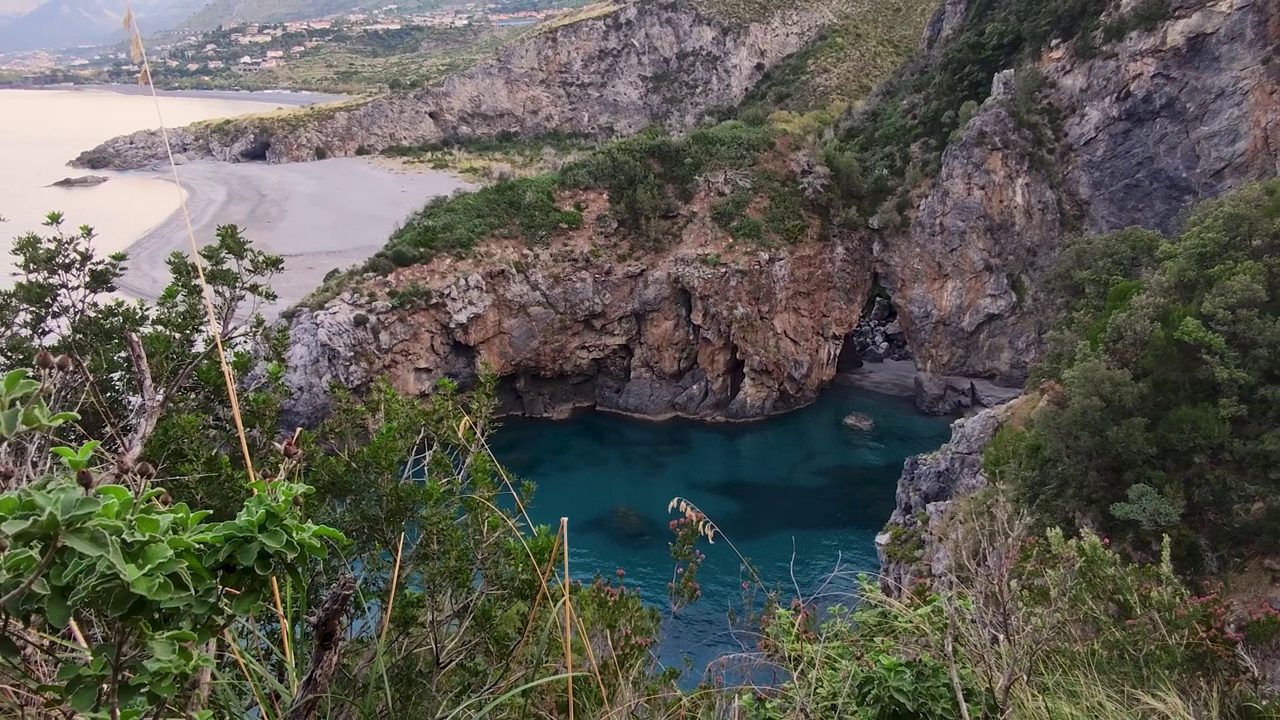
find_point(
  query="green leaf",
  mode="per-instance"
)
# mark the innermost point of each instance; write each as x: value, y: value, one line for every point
x: 154, y: 554
x: 84, y: 698
x: 273, y: 538
x: 16, y: 526
x: 247, y: 554
x: 56, y: 610
x: 10, y: 422
x: 147, y: 524
x: 88, y: 541
x: 11, y: 381
x: 115, y: 492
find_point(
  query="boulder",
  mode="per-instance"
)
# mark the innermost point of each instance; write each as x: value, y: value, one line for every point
x: 881, y: 310
x: 939, y: 395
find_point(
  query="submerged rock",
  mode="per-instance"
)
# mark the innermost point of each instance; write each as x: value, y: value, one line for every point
x: 858, y: 421
x: 626, y: 526
x: 82, y: 181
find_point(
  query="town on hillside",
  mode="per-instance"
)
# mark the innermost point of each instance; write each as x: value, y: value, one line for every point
x: 231, y: 56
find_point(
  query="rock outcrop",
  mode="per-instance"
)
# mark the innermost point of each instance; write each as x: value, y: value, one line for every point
x: 644, y: 63
x: 82, y: 181
x: 1158, y: 121
x: 910, y: 547
x: 578, y: 324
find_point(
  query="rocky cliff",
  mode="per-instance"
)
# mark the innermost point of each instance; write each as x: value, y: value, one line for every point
x: 911, y: 545
x: 699, y: 330
x: 643, y: 63
x: 1135, y: 134
x: 1141, y: 130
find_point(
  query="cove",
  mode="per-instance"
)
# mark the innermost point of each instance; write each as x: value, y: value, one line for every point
x: 800, y: 483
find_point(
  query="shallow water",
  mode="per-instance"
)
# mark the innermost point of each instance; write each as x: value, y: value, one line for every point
x: 40, y: 130
x: 799, y: 495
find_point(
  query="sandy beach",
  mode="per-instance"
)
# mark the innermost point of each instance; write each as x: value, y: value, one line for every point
x: 319, y: 216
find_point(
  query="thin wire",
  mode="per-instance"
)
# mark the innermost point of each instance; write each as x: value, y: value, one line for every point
x: 206, y: 294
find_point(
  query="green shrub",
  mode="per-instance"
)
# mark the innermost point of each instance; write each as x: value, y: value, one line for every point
x: 1167, y: 365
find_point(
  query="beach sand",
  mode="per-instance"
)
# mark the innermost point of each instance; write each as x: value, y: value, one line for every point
x: 319, y: 216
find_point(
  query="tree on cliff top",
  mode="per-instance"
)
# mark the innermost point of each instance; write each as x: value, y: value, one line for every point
x: 1171, y: 365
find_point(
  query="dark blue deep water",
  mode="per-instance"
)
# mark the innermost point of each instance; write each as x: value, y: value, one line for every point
x: 797, y: 484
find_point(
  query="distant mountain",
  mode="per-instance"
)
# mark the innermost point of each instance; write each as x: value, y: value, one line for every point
x: 10, y: 8
x: 56, y: 24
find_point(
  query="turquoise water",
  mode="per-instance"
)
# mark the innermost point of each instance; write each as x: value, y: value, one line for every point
x: 799, y: 495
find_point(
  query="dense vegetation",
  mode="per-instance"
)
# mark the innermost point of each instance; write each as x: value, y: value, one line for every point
x: 648, y: 178
x: 1170, y: 373
x: 381, y: 564
x: 157, y: 561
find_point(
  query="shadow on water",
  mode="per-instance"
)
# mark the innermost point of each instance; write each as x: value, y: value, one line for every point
x: 799, y: 495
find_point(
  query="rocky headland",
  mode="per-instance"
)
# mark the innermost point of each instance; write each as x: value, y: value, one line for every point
x: 644, y: 63
x: 583, y: 323
x: 1186, y: 107
x: 1168, y: 116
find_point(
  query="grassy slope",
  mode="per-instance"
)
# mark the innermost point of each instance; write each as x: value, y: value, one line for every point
x: 866, y: 41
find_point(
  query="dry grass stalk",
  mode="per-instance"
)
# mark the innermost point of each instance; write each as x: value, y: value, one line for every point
x: 568, y: 611
x: 391, y: 597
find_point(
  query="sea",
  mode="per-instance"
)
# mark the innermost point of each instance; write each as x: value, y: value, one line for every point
x: 800, y: 497
x: 40, y: 130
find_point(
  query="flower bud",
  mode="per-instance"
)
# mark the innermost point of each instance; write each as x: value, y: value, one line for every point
x: 297, y: 501
x: 84, y: 478
x: 63, y: 363
x: 44, y: 360
x: 145, y: 470
x: 7, y: 473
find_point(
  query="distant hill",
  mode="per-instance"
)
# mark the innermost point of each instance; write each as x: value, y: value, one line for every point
x: 14, y: 8
x: 225, y: 12
x: 220, y: 12
x: 58, y: 24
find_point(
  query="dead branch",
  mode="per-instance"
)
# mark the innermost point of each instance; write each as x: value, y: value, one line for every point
x: 329, y: 624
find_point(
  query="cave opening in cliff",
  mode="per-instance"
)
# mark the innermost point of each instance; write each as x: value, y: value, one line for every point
x: 878, y: 337
x: 737, y: 373
x: 256, y: 152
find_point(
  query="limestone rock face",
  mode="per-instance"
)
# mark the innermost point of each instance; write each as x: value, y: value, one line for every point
x: 565, y: 327
x: 979, y: 244
x: 926, y: 489
x: 1179, y: 114
x: 1159, y: 121
x: 645, y: 63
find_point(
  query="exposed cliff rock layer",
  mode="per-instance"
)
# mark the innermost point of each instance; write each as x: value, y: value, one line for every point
x: 645, y: 63
x: 700, y: 330
x: 1148, y: 125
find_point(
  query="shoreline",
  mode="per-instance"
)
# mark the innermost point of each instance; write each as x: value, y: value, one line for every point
x: 294, y: 98
x: 318, y: 216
